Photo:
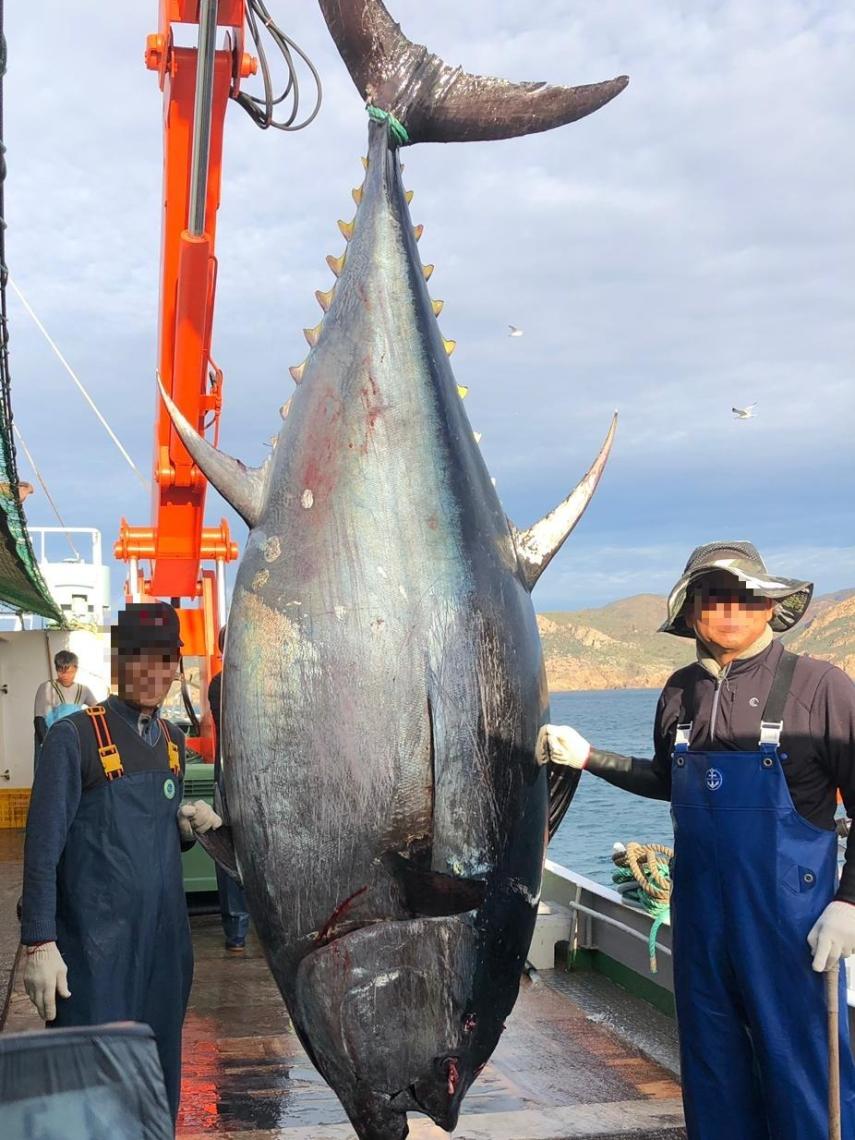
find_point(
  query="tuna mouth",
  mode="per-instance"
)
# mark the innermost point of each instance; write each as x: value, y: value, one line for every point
x: 439, y: 1094
x: 387, y: 1008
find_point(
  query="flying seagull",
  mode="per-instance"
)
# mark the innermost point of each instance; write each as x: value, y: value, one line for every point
x: 744, y: 413
x: 514, y: 331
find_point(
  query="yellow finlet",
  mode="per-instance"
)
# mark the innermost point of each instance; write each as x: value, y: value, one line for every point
x: 408, y: 196
x: 325, y: 298
x: 346, y: 229
x: 297, y: 371
x: 336, y: 264
x: 476, y: 435
x: 427, y: 270
x: 437, y: 307
x: 357, y: 194
x: 418, y: 231
x: 313, y: 335
x: 450, y: 345
x: 462, y: 391
x: 284, y: 410
x: 364, y: 163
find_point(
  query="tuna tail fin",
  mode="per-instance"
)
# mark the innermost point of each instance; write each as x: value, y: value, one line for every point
x: 438, y: 103
x: 241, y: 486
x: 537, y: 546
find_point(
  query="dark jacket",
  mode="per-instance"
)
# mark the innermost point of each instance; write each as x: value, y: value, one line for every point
x: 215, y: 691
x: 817, y: 744
x: 68, y: 769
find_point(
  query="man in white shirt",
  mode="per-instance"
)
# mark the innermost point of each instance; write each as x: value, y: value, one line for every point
x: 57, y: 698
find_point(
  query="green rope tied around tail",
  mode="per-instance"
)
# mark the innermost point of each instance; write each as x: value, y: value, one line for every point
x: 399, y: 131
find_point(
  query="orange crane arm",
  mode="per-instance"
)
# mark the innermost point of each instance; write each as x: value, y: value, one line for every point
x: 196, y: 84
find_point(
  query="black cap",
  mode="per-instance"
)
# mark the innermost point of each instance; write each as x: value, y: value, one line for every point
x: 146, y: 625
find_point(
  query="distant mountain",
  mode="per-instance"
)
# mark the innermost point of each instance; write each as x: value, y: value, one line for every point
x: 828, y: 631
x: 617, y: 646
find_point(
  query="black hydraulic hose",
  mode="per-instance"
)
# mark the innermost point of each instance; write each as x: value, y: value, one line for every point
x: 185, y: 699
x: 261, y: 108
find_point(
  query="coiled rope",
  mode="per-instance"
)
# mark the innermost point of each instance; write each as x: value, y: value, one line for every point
x: 645, y: 867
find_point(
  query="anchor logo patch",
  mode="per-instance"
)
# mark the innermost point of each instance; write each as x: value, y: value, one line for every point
x: 714, y: 779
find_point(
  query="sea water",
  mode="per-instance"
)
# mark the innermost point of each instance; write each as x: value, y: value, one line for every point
x: 618, y: 720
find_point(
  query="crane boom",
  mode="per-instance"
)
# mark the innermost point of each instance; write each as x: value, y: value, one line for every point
x: 196, y: 84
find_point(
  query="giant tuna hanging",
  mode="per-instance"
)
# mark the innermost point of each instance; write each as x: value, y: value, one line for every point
x: 384, y: 681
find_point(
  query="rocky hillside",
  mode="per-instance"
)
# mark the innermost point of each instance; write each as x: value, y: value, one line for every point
x: 617, y: 646
x: 828, y: 631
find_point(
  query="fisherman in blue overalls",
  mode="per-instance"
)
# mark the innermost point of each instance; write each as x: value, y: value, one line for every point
x: 752, y: 743
x: 104, y: 925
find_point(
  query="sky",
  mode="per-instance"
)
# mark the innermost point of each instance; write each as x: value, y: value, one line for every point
x: 687, y: 248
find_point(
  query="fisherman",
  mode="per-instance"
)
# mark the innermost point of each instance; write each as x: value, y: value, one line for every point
x: 752, y: 743
x: 233, y: 912
x: 104, y: 924
x: 57, y: 698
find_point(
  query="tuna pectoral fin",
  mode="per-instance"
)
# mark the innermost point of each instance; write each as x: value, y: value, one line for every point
x: 240, y: 486
x: 438, y: 103
x: 220, y: 847
x: 430, y: 894
x: 537, y: 546
x: 562, y: 784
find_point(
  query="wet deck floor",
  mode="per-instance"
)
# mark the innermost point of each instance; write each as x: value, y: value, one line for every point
x: 556, y: 1074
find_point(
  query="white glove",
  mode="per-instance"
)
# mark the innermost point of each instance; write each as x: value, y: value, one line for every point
x: 562, y: 745
x: 195, y: 819
x: 45, y: 976
x: 833, y: 935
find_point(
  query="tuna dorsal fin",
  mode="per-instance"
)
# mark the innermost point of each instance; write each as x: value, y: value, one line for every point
x: 438, y: 103
x: 537, y: 546
x: 241, y: 486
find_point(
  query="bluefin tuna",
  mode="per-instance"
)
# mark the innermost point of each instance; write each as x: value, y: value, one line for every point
x: 384, y: 680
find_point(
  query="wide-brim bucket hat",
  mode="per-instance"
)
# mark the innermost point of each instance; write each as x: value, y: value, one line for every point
x: 742, y: 560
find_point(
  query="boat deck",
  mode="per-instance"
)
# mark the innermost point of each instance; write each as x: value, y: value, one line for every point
x: 560, y: 1070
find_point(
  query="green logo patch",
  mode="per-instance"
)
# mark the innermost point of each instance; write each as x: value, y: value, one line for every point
x: 169, y: 789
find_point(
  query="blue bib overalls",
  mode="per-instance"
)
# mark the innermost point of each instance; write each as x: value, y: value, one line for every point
x: 122, y: 924
x: 750, y: 879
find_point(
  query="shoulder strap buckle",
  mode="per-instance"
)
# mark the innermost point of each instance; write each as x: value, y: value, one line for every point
x: 770, y: 733
x: 682, y: 737
x: 108, y: 753
x: 172, y: 752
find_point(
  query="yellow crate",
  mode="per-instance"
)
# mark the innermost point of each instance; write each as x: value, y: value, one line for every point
x: 14, y: 805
